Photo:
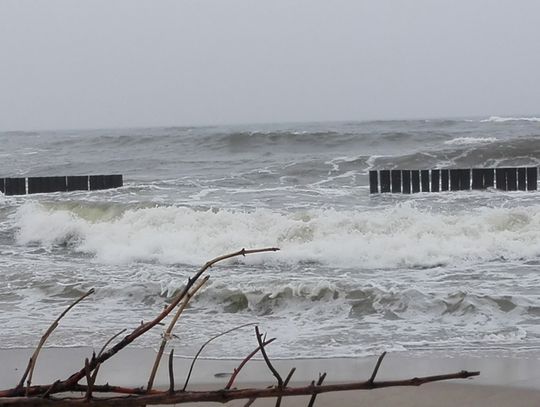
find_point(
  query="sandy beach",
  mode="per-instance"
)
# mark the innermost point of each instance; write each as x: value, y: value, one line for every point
x: 504, y: 381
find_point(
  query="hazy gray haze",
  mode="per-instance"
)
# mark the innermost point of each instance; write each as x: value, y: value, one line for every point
x: 73, y: 64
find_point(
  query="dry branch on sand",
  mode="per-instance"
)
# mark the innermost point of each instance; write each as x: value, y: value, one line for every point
x: 65, y: 392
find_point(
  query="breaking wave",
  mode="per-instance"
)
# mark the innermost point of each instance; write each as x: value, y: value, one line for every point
x: 400, y: 236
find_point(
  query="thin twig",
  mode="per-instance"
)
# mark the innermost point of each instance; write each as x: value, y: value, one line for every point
x: 243, y: 363
x: 267, y: 360
x: 168, y: 333
x: 112, y: 338
x: 32, y: 362
x: 285, y: 383
x: 250, y: 402
x: 171, y: 372
x: 206, y: 343
x: 50, y: 389
x: 376, y: 369
x: 319, y: 383
x: 88, y: 394
x: 96, y: 370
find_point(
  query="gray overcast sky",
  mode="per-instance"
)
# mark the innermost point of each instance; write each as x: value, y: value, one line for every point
x: 102, y: 63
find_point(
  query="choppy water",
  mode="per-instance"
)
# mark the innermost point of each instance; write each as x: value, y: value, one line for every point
x: 356, y: 273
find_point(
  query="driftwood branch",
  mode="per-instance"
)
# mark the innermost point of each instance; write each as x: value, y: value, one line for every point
x: 243, y: 363
x: 223, y: 396
x: 70, y: 382
x: 204, y: 345
x: 171, y: 372
x: 266, y: 359
x: 377, y: 366
x: 168, y: 333
x: 285, y: 383
x: 319, y: 383
x: 32, y: 362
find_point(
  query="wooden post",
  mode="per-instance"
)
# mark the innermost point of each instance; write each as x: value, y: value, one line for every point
x: 522, y: 179
x: 488, y: 178
x: 424, y: 176
x: 15, y: 186
x: 477, y: 178
x: 532, y: 178
x: 385, y: 180
x: 116, y: 180
x: 406, y: 177
x: 435, y: 177
x: 454, y: 180
x: 445, y: 175
x: 465, y: 179
x: 396, y: 181
x: 77, y: 183
x: 500, y: 179
x: 373, y: 182
x: 511, y: 179
x: 37, y: 185
x: 415, y: 180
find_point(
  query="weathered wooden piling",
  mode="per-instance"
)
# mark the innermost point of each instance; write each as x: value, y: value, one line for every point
x: 435, y: 177
x: 36, y: 185
x: 15, y: 186
x: 522, y: 179
x: 406, y: 177
x: 385, y: 180
x: 532, y: 178
x: 77, y: 183
x: 395, y: 176
x: 373, y: 182
x: 455, y: 179
x: 445, y: 178
x: 415, y: 181
x: 424, y: 180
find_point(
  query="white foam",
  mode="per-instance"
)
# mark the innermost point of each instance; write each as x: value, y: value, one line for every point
x: 498, y: 119
x: 401, y: 236
x: 470, y: 140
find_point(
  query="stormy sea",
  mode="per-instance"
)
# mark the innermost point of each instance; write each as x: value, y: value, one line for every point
x: 357, y: 273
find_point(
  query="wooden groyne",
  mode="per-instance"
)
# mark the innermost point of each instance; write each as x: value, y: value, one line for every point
x: 38, y: 185
x: 413, y: 181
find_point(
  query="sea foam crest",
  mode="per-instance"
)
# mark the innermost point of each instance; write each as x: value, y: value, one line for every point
x: 459, y: 141
x: 499, y: 119
x: 401, y: 236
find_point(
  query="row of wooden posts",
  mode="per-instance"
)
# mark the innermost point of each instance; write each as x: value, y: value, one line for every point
x: 36, y: 185
x: 413, y: 181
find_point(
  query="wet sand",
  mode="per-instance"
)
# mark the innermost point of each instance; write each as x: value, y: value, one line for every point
x: 503, y: 381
